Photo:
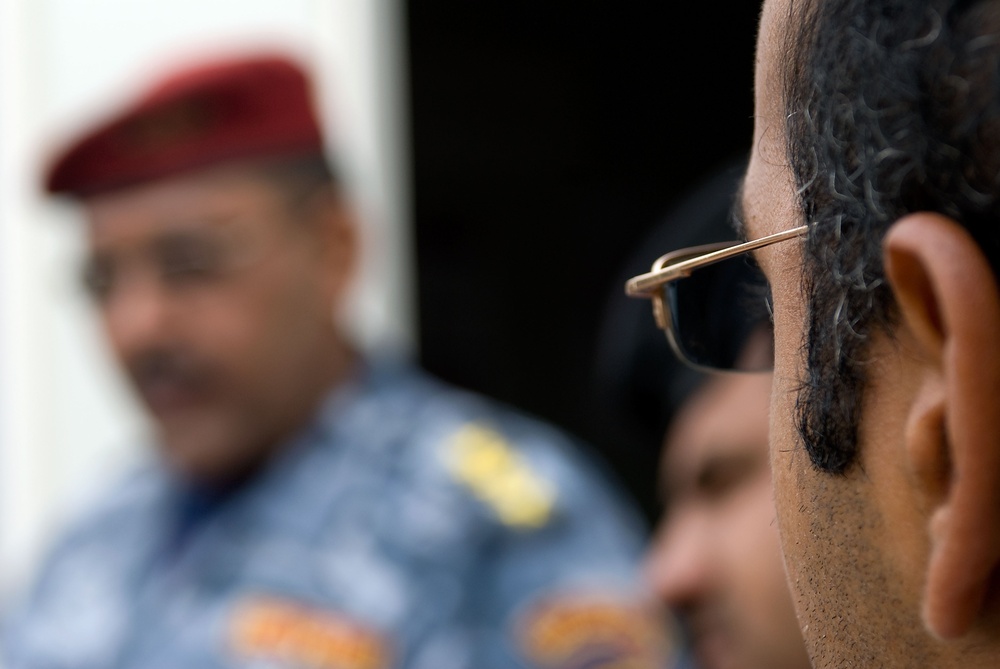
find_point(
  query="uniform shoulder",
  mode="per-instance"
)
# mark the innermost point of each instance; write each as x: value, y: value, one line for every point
x: 527, y: 471
x: 438, y: 405
x: 117, y: 506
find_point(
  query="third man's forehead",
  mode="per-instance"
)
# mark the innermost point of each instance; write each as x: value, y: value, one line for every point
x: 726, y: 416
x: 184, y: 201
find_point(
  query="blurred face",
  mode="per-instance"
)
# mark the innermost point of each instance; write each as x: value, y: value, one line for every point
x: 217, y: 294
x: 716, y: 559
x: 852, y: 543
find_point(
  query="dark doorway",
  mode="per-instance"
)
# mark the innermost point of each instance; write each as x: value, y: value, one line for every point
x: 548, y: 138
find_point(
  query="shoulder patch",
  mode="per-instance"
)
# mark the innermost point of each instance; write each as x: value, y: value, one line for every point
x: 482, y: 460
x: 287, y: 632
x: 572, y: 631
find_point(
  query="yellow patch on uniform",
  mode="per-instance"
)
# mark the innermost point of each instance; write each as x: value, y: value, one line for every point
x: 290, y: 633
x: 483, y: 460
x: 577, y: 632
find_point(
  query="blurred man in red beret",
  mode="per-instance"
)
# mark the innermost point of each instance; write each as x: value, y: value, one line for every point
x: 309, y: 507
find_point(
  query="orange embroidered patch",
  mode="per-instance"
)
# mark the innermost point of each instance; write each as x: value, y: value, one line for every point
x: 577, y: 632
x: 287, y: 631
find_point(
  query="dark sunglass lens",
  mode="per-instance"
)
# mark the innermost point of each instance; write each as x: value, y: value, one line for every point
x: 721, y: 316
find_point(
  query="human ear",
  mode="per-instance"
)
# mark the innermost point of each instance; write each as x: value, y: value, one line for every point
x: 948, y: 300
x: 336, y: 238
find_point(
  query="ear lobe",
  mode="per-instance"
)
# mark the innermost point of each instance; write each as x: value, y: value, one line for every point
x: 948, y: 300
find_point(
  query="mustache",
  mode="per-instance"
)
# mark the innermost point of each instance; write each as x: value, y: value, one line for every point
x: 703, y: 618
x: 175, y: 366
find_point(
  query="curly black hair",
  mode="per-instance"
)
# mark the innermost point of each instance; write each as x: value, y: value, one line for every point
x: 893, y: 106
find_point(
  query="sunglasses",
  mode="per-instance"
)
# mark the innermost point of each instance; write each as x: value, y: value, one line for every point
x: 714, y: 303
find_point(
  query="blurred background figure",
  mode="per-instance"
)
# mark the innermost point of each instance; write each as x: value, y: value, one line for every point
x: 485, y: 145
x: 471, y: 136
x: 68, y: 422
x: 310, y: 504
x: 715, y: 560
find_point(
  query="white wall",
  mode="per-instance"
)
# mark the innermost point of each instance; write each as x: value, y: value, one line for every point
x: 66, y: 419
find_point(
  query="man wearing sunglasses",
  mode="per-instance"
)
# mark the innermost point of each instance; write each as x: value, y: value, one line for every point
x: 310, y: 506
x: 716, y: 558
x: 873, y: 204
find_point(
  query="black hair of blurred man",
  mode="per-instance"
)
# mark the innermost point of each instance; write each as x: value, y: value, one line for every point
x: 637, y: 382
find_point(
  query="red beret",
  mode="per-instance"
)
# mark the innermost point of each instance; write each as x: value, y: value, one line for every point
x: 256, y: 107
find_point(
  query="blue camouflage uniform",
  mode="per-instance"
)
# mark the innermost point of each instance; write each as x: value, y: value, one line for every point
x: 411, y: 525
